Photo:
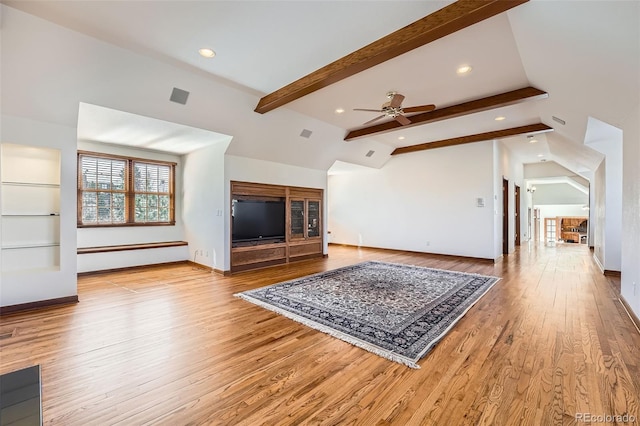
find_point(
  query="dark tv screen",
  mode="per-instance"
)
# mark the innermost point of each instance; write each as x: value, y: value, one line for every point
x: 256, y: 220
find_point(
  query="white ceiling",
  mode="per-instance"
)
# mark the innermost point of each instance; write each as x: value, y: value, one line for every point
x: 106, y: 125
x: 585, y: 54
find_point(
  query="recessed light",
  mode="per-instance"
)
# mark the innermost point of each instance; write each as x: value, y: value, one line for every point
x: 400, y: 138
x: 464, y: 69
x: 533, y: 141
x: 206, y: 52
x: 500, y: 118
x: 540, y: 155
x: 339, y: 110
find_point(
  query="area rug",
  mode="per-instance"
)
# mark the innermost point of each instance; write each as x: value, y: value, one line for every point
x: 396, y: 311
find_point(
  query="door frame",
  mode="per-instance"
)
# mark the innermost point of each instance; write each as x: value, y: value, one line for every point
x: 505, y: 216
x: 517, y: 214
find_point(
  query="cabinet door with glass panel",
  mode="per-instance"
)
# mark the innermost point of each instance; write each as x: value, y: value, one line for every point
x: 305, y: 219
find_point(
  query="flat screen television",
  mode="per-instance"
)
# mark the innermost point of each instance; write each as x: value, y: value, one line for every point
x: 257, y: 220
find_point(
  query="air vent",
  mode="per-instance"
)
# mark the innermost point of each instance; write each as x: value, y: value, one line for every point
x: 558, y: 120
x: 306, y: 133
x: 370, y: 153
x: 179, y: 96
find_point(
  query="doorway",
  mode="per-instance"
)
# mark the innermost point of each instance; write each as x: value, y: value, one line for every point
x: 517, y: 213
x: 505, y: 216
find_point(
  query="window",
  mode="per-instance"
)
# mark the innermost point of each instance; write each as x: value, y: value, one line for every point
x: 121, y: 191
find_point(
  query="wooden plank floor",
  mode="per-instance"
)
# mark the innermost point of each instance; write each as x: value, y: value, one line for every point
x: 171, y: 345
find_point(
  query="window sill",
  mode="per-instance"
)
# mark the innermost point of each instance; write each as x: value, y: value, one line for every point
x: 120, y: 225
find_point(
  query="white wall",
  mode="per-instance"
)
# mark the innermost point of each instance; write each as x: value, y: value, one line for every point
x: 96, y: 237
x: 424, y: 202
x: 204, y: 207
x: 559, y: 193
x: 251, y: 170
x: 30, y: 287
x: 612, y: 149
x: 598, y: 187
x: 630, y: 287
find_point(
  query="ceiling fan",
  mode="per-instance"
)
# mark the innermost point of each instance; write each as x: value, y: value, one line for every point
x: 393, y: 109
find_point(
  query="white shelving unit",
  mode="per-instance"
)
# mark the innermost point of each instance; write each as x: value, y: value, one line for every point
x: 30, y: 195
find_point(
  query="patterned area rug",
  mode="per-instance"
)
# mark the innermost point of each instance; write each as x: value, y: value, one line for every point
x: 396, y: 311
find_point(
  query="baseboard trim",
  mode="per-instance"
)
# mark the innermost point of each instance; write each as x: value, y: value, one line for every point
x: 132, y: 268
x: 610, y: 273
x: 209, y: 268
x: 595, y: 258
x: 40, y: 304
x: 482, y: 259
x: 634, y: 318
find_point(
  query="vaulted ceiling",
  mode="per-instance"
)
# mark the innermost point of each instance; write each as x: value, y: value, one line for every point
x: 584, y: 55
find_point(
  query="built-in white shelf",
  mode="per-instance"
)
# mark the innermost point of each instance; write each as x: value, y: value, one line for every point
x: 30, y: 216
x: 36, y: 184
x: 30, y: 246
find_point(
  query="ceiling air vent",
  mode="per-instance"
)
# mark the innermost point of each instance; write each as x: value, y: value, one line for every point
x: 558, y: 120
x: 179, y: 96
x: 306, y: 133
x: 370, y: 153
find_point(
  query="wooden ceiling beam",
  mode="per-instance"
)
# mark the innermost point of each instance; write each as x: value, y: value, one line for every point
x: 440, y: 23
x: 479, y: 137
x: 478, y: 105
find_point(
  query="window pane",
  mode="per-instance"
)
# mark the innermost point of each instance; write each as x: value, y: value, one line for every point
x: 118, y: 176
x: 118, y: 208
x: 164, y: 173
x: 141, y: 208
x: 152, y: 215
x: 152, y: 178
x: 104, y: 207
x: 89, y: 202
x: 89, y: 172
x: 164, y: 214
x: 140, y: 176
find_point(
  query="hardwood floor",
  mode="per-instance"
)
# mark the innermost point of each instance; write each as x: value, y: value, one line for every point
x: 171, y: 345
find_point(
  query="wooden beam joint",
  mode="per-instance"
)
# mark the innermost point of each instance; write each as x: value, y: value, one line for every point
x: 479, y: 137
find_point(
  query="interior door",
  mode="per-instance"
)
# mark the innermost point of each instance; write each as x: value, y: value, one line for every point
x: 517, y: 214
x: 505, y: 216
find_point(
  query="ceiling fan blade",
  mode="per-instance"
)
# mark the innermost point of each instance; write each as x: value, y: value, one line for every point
x: 375, y: 119
x: 403, y: 120
x: 373, y: 110
x: 396, y: 100
x: 420, y: 108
